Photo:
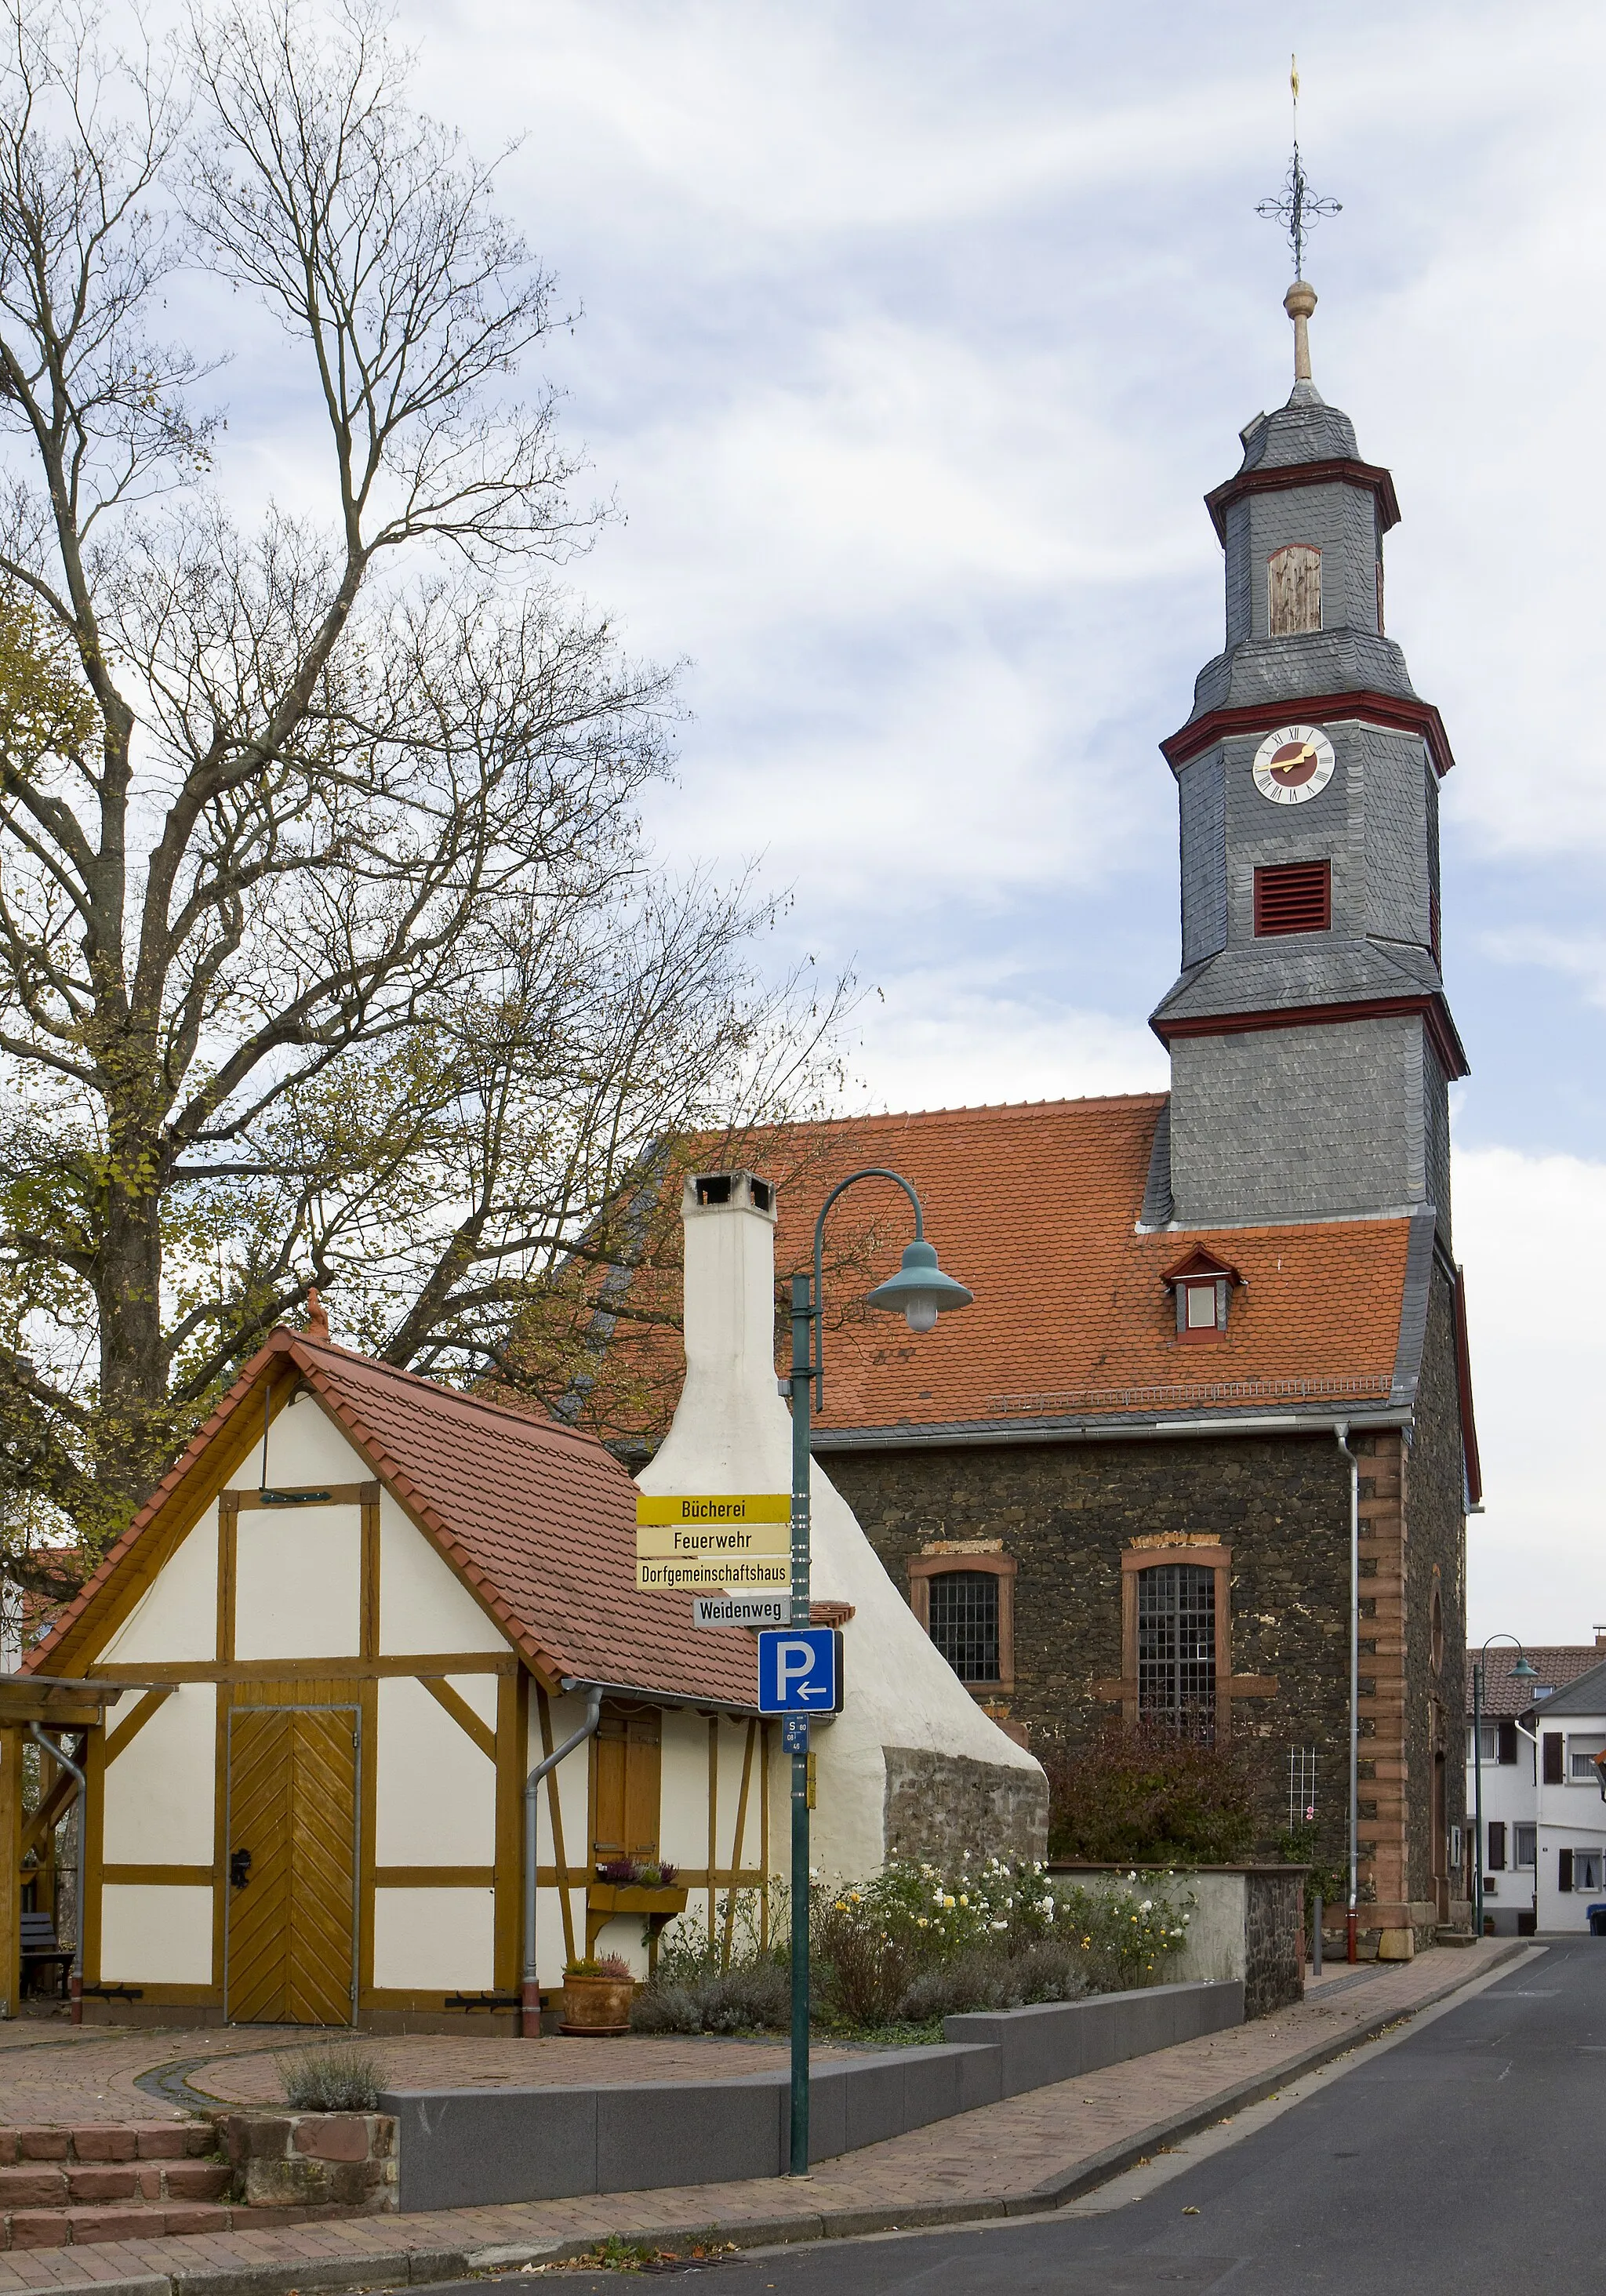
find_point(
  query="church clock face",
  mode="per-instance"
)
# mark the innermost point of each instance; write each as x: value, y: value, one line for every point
x: 1294, y: 763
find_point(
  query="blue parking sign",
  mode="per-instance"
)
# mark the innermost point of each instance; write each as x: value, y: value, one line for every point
x: 800, y: 1670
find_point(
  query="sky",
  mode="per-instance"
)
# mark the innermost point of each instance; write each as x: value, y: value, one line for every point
x: 912, y: 337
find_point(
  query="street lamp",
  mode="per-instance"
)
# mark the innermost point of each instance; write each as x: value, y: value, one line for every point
x: 1520, y: 1672
x: 920, y: 1291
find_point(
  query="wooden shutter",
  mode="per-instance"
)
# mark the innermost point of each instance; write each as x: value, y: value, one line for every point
x: 1564, y: 1869
x: 1554, y: 1775
x: 1497, y: 1845
x: 1508, y: 1741
x: 626, y: 1781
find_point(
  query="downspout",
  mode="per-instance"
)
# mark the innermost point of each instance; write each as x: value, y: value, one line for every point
x: 1342, y: 1431
x: 75, y: 1982
x: 530, y: 1990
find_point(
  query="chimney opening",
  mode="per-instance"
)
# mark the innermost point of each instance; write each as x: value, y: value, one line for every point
x: 714, y: 1189
x: 762, y: 1193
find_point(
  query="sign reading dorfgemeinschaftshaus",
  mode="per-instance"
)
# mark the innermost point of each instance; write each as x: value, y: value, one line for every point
x: 716, y: 1538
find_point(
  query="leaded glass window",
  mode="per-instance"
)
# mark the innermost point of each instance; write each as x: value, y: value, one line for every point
x: 964, y: 1622
x: 1177, y: 1643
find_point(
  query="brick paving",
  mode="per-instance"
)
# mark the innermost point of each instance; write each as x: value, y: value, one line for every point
x: 1021, y: 2155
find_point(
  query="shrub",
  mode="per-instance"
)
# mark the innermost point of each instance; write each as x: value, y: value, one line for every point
x: 755, y: 1996
x: 333, y: 2080
x: 1145, y: 1794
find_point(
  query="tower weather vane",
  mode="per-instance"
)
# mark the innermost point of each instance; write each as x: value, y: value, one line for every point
x: 1298, y: 208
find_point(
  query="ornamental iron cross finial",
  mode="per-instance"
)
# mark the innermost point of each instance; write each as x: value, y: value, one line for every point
x: 1297, y: 207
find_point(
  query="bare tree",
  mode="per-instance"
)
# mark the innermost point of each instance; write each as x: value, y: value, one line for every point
x: 330, y: 948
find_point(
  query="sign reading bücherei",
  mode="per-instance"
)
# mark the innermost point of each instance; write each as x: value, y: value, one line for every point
x: 713, y: 1539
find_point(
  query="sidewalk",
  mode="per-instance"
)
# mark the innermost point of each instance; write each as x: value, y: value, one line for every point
x: 1032, y: 2153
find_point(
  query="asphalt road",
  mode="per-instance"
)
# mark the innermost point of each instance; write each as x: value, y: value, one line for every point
x: 1467, y: 2156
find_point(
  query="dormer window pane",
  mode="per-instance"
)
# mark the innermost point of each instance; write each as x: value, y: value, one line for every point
x: 1201, y: 1306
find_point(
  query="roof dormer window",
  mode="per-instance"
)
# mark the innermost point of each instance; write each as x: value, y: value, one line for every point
x: 1202, y: 1287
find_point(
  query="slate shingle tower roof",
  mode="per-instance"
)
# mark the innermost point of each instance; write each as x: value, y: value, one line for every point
x: 1312, y: 1044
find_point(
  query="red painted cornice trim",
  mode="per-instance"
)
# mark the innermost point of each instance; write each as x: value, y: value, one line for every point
x: 1441, y: 1028
x: 1391, y: 709
x: 1340, y: 470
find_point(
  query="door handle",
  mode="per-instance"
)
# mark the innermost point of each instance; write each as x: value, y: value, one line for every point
x: 240, y: 1869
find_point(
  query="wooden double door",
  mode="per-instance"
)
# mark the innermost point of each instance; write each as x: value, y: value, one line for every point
x: 290, y: 1945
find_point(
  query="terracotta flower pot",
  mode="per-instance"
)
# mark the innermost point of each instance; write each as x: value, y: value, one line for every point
x: 596, y: 2005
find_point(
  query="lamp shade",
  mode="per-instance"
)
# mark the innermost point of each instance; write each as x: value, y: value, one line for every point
x: 920, y: 1291
x: 1523, y: 1671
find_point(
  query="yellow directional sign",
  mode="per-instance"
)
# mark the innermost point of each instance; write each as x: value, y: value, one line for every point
x: 713, y: 1539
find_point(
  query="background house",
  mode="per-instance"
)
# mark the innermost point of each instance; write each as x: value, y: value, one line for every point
x: 1508, y: 1757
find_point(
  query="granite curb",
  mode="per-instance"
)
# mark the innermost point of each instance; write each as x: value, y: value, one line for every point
x: 393, y: 2268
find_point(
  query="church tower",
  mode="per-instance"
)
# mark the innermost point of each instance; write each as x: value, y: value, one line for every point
x: 1312, y: 1046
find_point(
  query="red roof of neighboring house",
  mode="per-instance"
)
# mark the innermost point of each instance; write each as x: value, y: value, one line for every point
x: 537, y: 1519
x: 1036, y: 1206
x: 1556, y: 1664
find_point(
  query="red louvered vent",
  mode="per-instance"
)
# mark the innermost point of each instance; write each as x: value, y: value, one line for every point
x: 1297, y: 897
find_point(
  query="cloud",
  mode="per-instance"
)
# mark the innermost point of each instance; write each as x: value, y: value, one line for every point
x: 1531, y: 1230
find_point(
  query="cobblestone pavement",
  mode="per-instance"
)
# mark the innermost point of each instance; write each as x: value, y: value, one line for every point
x: 1006, y: 2157
x: 68, y: 2074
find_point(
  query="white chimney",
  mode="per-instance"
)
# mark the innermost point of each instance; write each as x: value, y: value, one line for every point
x: 731, y: 1432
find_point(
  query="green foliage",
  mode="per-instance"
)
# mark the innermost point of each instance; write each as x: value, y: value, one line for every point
x: 1328, y: 1878
x: 611, y: 1964
x: 333, y: 2080
x: 892, y: 1955
x: 1145, y: 1794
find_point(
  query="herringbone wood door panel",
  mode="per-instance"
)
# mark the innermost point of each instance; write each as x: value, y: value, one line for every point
x: 293, y: 1803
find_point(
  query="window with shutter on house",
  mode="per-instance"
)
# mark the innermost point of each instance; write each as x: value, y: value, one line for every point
x: 1489, y: 1741
x: 1555, y: 1746
x: 1564, y: 1869
x: 1525, y: 1845
x: 1496, y: 1857
x: 1581, y: 1759
x: 1508, y: 1741
x: 1586, y: 1869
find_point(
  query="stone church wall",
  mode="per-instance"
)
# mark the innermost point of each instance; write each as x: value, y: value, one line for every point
x: 1067, y: 1511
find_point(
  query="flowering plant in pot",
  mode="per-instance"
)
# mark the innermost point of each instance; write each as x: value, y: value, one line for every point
x: 597, y: 1996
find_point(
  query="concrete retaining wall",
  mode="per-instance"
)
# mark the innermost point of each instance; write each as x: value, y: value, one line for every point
x: 466, y: 2148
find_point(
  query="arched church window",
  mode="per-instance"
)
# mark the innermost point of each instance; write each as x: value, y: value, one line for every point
x: 1177, y: 1645
x: 965, y: 1601
x: 1294, y: 590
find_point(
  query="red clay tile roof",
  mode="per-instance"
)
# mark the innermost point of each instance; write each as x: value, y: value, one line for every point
x: 1557, y: 1664
x: 1034, y: 1206
x: 537, y: 1519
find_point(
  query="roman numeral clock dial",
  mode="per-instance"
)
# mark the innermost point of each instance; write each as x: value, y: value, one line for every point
x: 1294, y: 763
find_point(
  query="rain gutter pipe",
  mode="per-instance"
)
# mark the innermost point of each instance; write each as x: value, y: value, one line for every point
x: 529, y: 1989
x: 1342, y: 1432
x: 75, y: 1983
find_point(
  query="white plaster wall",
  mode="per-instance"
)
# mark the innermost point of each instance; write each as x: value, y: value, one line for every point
x: 434, y: 1940
x: 549, y: 1952
x: 177, y: 1617
x: 623, y: 1936
x: 436, y: 1793
x: 423, y: 1604
x: 305, y: 1447
x: 159, y: 1791
x: 574, y: 1786
x: 683, y: 1834
x: 732, y: 1432
x: 298, y: 1583
x: 155, y: 1935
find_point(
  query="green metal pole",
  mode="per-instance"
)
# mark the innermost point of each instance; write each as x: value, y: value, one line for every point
x: 1478, y: 1803
x: 803, y: 1309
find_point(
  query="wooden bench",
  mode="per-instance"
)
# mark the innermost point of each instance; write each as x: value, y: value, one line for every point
x: 41, y: 1950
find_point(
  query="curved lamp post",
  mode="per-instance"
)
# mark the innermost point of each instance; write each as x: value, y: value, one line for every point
x: 920, y: 1291
x: 1520, y: 1672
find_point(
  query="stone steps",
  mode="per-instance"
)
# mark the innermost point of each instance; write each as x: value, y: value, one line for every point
x: 74, y: 2187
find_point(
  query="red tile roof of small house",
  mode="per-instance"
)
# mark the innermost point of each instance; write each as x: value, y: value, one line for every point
x: 1557, y: 1664
x: 536, y: 1519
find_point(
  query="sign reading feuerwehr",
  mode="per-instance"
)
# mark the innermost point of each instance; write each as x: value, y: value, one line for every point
x: 715, y: 1539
